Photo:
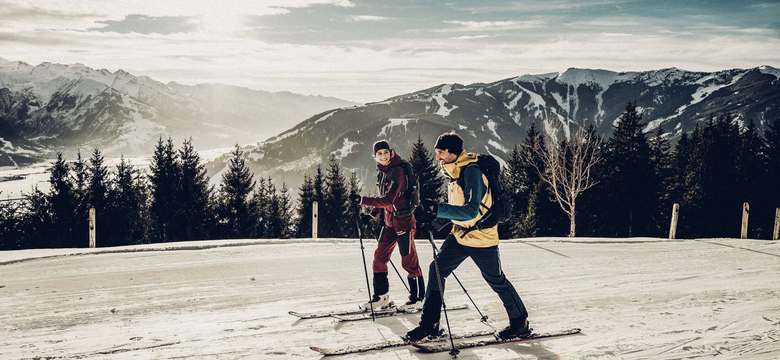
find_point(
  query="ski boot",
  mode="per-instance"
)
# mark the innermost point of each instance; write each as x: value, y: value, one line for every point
x: 517, y: 329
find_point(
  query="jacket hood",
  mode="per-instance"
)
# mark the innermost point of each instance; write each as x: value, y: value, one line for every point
x: 453, y: 169
x: 394, y: 161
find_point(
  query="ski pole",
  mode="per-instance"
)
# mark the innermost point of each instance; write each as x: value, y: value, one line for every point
x: 365, y: 267
x: 482, y: 318
x: 378, y: 239
x: 453, y: 351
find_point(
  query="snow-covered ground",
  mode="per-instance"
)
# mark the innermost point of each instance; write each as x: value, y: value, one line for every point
x: 633, y: 298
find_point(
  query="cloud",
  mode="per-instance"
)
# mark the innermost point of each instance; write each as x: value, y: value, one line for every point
x: 142, y: 24
x: 467, y: 37
x: 465, y: 26
x: 369, y: 18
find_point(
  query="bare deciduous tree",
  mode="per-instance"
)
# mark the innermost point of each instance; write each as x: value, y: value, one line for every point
x: 566, y: 165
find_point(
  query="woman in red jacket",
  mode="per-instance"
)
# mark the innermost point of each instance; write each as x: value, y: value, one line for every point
x: 399, y: 227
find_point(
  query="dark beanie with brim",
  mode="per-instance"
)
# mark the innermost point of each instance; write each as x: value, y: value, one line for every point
x: 381, y: 144
x: 450, y: 142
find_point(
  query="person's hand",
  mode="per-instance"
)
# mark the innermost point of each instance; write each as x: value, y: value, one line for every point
x: 366, y: 219
x: 426, y: 212
x: 354, y: 198
x: 429, y: 206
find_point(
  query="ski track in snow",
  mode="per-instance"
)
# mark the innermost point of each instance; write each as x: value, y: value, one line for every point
x: 634, y: 298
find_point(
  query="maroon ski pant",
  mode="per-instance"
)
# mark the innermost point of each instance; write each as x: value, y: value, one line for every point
x: 384, y: 249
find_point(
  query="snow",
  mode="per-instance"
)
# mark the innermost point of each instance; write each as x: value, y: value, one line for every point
x: 438, y: 96
x: 698, y: 96
x: 498, y: 146
x: 324, y: 117
x: 345, y: 150
x: 769, y: 70
x: 393, y: 123
x: 634, y: 298
x: 492, y: 126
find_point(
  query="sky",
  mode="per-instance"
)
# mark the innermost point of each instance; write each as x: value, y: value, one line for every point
x: 371, y: 50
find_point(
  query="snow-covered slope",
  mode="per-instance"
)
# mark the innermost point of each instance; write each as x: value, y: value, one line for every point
x: 634, y: 298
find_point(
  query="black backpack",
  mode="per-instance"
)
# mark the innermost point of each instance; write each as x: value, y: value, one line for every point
x: 501, y: 210
x: 412, y: 192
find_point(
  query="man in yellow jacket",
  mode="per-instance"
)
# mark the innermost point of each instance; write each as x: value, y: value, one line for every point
x: 466, y: 205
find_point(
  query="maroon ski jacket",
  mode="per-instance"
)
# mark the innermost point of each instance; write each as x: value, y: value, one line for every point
x: 391, y: 186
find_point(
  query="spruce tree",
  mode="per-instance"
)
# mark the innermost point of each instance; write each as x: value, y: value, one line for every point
x: 751, y: 177
x: 164, y: 184
x: 772, y: 158
x: 335, y: 218
x: 661, y: 161
x: 98, y: 197
x: 424, y: 164
x: 236, y: 186
x: 516, y: 184
x: 350, y: 230
x: 194, y: 194
x: 63, y: 202
x: 631, y: 202
x: 131, y: 226
x: 304, y: 210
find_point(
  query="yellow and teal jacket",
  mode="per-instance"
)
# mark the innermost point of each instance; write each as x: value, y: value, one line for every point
x: 464, y: 205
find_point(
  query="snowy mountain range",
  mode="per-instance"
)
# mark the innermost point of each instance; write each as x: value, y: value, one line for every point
x: 494, y: 117
x: 66, y: 107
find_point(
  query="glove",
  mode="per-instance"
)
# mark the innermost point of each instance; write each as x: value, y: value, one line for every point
x: 366, y: 219
x: 426, y: 212
x: 355, y: 198
x: 429, y: 206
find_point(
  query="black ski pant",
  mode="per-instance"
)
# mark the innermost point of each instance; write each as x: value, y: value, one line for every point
x: 451, y: 255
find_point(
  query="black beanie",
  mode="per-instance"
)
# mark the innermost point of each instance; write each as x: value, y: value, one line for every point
x: 381, y: 144
x: 451, y: 142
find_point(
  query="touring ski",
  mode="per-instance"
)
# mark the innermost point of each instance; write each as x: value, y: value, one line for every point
x: 390, y: 312
x: 350, y: 349
x: 322, y: 314
x: 442, y: 346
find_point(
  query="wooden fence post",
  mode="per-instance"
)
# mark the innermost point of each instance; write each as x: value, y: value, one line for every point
x: 314, y: 220
x: 777, y: 224
x: 675, y: 215
x: 92, y: 238
x: 745, y: 215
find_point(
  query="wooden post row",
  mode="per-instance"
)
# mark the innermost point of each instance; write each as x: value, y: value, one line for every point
x: 314, y: 220
x: 92, y: 238
x: 675, y: 215
x: 745, y: 215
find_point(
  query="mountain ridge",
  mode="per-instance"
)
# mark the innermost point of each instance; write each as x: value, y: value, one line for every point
x: 59, y: 107
x: 493, y: 117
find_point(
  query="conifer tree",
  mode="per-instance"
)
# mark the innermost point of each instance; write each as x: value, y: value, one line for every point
x: 164, y: 184
x: 335, y: 218
x: 428, y: 175
x: 98, y: 197
x: 63, y: 202
x: 236, y: 186
x: 751, y: 177
x: 516, y: 184
x: 661, y: 161
x: 131, y: 225
x: 285, y: 213
x: 194, y: 194
x: 304, y: 210
x: 424, y: 164
x: 349, y: 230
x: 772, y: 158
x: 631, y: 202
x: 260, y: 208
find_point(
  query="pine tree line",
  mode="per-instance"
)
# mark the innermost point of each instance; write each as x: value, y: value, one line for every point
x: 710, y: 172
x: 172, y: 202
